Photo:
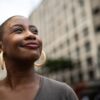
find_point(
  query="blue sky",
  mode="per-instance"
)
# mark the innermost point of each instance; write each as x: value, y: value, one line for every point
x: 9, y: 8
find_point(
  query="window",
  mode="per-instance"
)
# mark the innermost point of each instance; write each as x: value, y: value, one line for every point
x: 76, y: 37
x: 61, y: 45
x: 68, y: 41
x: 83, y: 14
x: 97, y: 28
x: 79, y: 63
x: 99, y: 47
x: 66, y: 29
x: 69, y: 54
x: 77, y: 51
x: 64, y: 6
x: 89, y: 61
x: 85, y: 31
x: 54, y: 50
x: 96, y: 10
x: 72, y: 79
x: 81, y: 2
x: 80, y: 76
x: 74, y: 22
x: 98, y: 55
x: 87, y: 46
x: 91, y: 74
x: 73, y: 9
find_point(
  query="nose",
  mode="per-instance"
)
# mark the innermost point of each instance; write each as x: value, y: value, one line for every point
x: 30, y: 36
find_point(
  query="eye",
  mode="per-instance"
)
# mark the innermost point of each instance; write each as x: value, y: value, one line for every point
x: 18, y: 30
x: 34, y: 30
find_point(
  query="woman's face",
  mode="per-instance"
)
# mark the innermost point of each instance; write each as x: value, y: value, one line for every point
x: 21, y: 40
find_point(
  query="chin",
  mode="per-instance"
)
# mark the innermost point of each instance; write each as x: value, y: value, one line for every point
x: 29, y: 55
x: 33, y: 57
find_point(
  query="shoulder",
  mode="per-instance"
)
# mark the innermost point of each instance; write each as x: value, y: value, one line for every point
x: 54, y: 83
x: 60, y: 87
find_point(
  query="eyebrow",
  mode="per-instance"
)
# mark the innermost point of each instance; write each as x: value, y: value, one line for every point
x: 33, y: 26
x: 22, y: 25
x: 16, y: 25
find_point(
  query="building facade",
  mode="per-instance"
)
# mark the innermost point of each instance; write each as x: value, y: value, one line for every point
x: 71, y: 29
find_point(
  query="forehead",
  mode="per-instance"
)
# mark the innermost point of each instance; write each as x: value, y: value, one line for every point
x: 18, y: 20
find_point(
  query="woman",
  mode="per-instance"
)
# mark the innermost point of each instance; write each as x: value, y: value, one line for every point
x: 21, y: 47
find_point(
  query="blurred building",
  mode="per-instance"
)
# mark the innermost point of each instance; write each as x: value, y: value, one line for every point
x: 71, y: 29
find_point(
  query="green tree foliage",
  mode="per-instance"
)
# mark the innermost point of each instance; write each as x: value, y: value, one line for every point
x: 59, y: 64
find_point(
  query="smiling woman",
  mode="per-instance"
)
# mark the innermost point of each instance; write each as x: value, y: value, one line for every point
x: 21, y: 47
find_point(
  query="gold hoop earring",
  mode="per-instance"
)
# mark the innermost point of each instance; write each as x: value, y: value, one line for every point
x: 41, y: 61
x: 3, y: 72
x: 2, y: 64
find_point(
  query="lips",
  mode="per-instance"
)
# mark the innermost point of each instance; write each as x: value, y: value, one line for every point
x: 31, y: 45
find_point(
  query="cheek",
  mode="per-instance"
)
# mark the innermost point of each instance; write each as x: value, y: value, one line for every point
x: 40, y: 41
x: 6, y: 47
x: 41, y: 47
x: 9, y: 45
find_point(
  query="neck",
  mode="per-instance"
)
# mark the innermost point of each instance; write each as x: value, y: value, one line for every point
x: 19, y: 74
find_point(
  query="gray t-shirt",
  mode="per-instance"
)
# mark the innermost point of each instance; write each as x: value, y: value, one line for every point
x: 54, y: 90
